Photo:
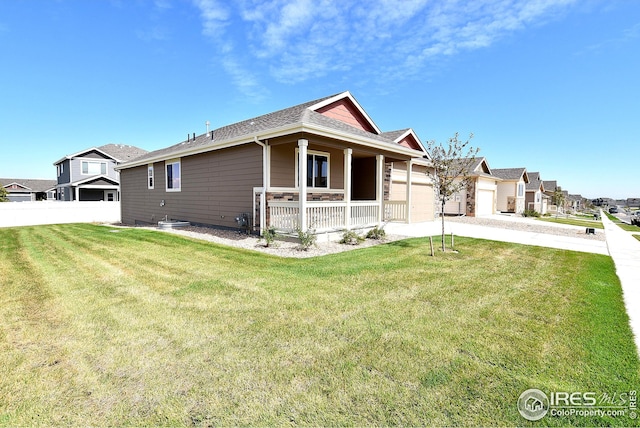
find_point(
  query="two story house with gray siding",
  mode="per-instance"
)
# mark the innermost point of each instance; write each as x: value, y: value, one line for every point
x: 90, y: 175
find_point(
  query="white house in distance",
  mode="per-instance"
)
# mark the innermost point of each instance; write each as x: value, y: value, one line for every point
x: 479, y: 197
x: 511, y: 189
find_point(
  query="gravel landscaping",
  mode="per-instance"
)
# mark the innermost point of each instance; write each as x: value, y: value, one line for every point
x: 283, y: 247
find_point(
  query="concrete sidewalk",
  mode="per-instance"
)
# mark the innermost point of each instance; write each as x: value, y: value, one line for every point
x: 625, y: 252
x: 499, y: 234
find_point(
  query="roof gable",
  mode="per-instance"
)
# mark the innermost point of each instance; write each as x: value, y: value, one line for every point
x: 98, y: 180
x: 406, y: 138
x: 345, y: 108
x: 15, y: 186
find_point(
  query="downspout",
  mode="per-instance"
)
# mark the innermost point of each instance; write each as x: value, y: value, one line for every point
x: 263, y: 196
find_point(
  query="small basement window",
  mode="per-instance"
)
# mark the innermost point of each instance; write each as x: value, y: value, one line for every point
x: 150, y: 176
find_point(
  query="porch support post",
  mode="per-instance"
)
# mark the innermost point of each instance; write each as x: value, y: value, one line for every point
x: 380, y: 186
x: 409, y: 168
x: 302, y: 183
x: 348, y: 155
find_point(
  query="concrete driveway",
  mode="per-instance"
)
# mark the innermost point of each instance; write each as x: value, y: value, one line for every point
x: 503, y: 234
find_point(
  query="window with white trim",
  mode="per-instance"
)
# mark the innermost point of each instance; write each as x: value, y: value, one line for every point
x: 520, y: 189
x: 173, y: 175
x: 317, y: 169
x: 150, y: 176
x: 93, y: 168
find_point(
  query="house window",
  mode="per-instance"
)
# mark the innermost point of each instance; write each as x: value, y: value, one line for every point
x: 93, y: 168
x: 150, y: 176
x: 317, y: 169
x: 537, y: 196
x: 520, y: 190
x: 173, y: 175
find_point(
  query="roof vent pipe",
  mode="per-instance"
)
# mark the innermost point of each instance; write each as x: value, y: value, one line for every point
x: 194, y: 136
x: 188, y: 136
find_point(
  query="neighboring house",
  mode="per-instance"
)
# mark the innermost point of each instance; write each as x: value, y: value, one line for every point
x: 20, y: 190
x: 550, y: 189
x: 90, y: 175
x: 323, y: 165
x: 511, y: 189
x: 535, y: 198
x: 575, y: 202
x: 479, y: 197
x: 633, y: 202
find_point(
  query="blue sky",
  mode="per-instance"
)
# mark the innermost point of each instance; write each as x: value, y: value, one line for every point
x: 550, y: 85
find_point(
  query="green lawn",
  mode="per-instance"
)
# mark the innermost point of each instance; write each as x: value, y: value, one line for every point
x: 573, y: 221
x: 134, y: 327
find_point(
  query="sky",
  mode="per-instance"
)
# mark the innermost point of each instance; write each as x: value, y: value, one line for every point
x: 549, y: 85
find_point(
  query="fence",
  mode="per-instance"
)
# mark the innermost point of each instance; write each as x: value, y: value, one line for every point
x: 55, y: 212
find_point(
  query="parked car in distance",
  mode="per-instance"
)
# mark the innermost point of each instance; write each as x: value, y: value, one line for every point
x: 613, y: 210
x: 635, y: 218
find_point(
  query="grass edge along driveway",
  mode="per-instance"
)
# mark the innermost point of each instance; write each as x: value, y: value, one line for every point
x: 135, y: 327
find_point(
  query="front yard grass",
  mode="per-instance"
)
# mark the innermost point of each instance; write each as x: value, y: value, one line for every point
x: 104, y: 327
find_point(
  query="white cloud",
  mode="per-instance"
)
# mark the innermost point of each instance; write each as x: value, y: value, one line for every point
x: 297, y: 40
x: 214, y: 16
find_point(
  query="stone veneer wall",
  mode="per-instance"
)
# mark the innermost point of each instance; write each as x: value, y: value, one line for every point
x: 471, y: 198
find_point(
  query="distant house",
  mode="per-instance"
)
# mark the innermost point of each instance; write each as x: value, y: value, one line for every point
x: 633, y: 202
x: 90, y: 175
x: 535, y: 198
x: 552, y: 190
x: 323, y: 165
x: 20, y: 190
x: 575, y: 202
x: 511, y: 189
x: 479, y: 197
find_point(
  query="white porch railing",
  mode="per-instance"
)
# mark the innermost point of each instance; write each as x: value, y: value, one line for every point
x: 283, y: 215
x: 322, y: 216
x: 395, y: 211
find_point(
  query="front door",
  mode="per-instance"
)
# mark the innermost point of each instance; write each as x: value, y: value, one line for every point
x: 111, y: 196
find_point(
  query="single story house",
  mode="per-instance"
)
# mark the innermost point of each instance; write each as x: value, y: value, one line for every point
x: 511, y: 189
x: 20, y: 190
x: 535, y: 198
x: 323, y: 165
x: 479, y: 197
x: 90, y: 174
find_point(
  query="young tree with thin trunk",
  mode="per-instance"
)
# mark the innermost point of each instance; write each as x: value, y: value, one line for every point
x: 451, y: 167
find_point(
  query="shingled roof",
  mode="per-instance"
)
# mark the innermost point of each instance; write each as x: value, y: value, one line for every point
x: 34, y: 185
x: 122, y: 152
x: 478, y: 167
x: 511, y: 173
x: 534, y: 182
x: 281, y: 122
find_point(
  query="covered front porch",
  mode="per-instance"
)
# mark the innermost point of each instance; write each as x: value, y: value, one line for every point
x: 321, y: 187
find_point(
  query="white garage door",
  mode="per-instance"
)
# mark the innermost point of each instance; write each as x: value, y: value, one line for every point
x: 485, y: 202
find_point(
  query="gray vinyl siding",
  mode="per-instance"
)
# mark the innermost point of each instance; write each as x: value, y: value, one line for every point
x: 215, y: 188
x: 64, y: 177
